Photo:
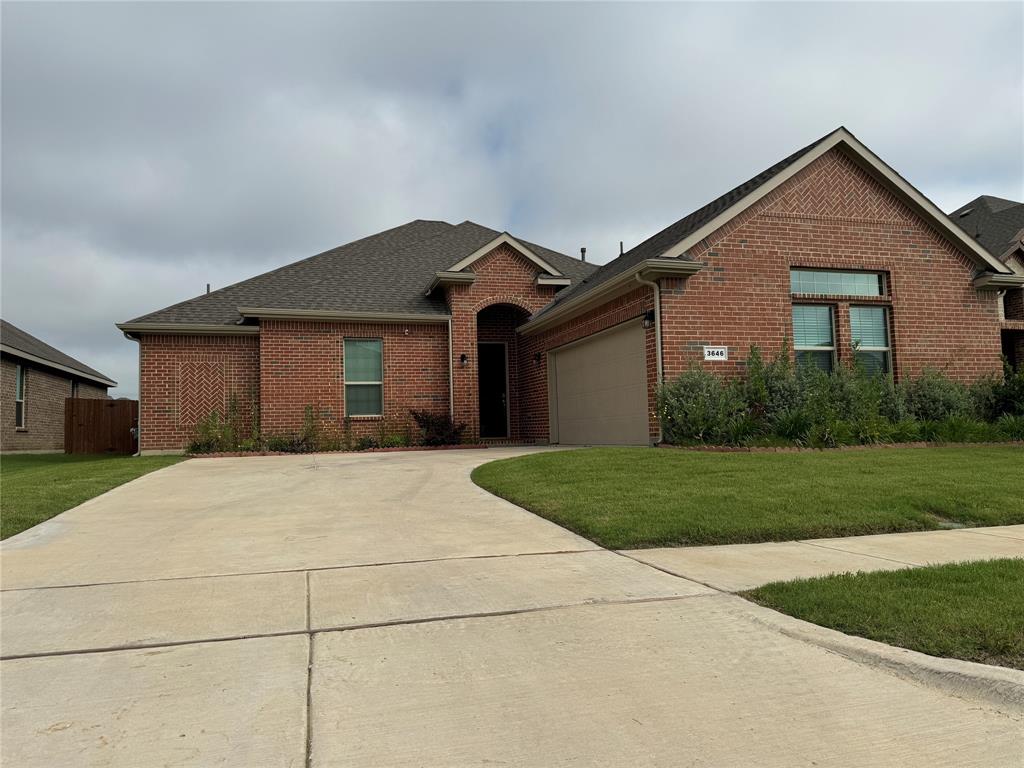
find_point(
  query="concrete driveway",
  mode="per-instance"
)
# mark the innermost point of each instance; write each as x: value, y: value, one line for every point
x: 379, y: 609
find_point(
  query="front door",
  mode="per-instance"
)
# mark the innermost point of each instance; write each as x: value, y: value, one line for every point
x: 492, y: 382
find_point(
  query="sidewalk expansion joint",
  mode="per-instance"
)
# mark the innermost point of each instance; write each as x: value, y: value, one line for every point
x: 812, y: 543
x: 311, y: 632
x: 305, y: 570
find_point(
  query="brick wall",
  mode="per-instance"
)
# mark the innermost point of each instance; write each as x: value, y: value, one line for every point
x: 503, y: 276
x: 45, y: 393
x: 185, y: 378
x: 302, y: 363
x: 832, y: 215
x: 629, y: 307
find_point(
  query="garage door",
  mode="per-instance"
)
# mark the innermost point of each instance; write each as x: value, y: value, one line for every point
x: 600, y: 389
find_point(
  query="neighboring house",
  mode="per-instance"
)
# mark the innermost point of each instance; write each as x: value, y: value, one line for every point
x: 36, y: 379
x: 829, y: 250
x: 999, y: 226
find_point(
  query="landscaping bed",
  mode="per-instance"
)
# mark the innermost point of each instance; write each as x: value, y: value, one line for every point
x: 35, y: 487
x: 626, y: 498
x: 970, y: 611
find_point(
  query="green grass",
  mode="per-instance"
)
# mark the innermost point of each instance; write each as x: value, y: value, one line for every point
x: 640, y: 497
x: 35, y: 487
x: 971, y: 611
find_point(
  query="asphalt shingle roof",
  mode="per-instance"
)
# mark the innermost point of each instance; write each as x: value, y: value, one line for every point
x: 19, y: 341
x: 660, y: 242
x: 387, y: 272
x: 996, y: 223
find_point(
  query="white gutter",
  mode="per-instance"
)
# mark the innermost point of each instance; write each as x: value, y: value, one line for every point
x: 451, y: 375
x: 341, y: 316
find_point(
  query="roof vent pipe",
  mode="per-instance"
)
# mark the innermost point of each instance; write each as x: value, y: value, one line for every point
x: 621, y: 251
x: 207, y: 287
x: 583, y: 253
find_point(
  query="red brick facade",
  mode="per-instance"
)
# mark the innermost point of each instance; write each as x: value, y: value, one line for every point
x: 185, y: 378
x: 45, y: 393
x: 302, y: 363
x: 831, y: 214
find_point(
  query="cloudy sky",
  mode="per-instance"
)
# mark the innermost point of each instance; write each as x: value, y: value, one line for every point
x: 150, y: 149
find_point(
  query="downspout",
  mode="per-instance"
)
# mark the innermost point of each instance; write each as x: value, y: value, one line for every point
x: 451, y: 375
x: 657, y: 334
x: 138, y: 421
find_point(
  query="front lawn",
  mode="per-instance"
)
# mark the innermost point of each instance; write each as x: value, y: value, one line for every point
x: 624, y: 498
x: 971, y: 611
x: 35, y: 487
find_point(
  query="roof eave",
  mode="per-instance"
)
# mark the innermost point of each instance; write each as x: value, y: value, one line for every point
x: 103, y: 380
x: 192, y: 329
x: 342, y: 316
x: 992, y: 281
x: 649, y: 269
x: 445, y: 277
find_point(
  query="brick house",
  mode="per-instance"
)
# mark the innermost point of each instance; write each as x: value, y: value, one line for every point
x: 998, y: 225
x: 829, y: 249
x: 35, y: 379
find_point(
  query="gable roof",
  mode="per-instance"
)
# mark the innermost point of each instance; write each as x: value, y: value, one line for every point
x: 674, y: 241
x: 996, y: 223
x: 17, y: 342
x: 383, y: 274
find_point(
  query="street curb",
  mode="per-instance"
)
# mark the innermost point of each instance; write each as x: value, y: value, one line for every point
x: 999, y: 686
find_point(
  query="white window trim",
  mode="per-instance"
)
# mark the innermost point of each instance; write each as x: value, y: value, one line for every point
x: 20, y: 378
x: 832, y: 323
x: 346, y: 383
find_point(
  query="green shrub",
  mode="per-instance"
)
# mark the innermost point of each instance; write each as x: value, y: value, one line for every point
x: 219, y: 433
x: 699, y: 406
x: 934, y: 397
x: 366, y: 443
x: 286, y: 442
x: 1011, y: 426
x: 437, y: 429
x: 773, y: 403
x: 394, y: 441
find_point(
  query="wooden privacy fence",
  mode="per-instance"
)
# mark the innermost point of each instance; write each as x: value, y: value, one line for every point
x: 100, y: 426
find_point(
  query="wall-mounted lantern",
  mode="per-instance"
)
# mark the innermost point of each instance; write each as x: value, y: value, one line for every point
x: 463, y: 359
x: 649, y: 318
x: 537, y: 358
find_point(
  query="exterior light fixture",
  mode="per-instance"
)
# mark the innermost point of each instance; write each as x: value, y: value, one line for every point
x: 463, y: 359
x: 649, y: 318
x: 536, y: 358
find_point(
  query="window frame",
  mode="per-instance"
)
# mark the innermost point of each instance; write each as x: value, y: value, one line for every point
x: 20, y: 377
x: 832, y: 349
x: 882, y: 277
x: 346, y: 383
x: 886, y: 326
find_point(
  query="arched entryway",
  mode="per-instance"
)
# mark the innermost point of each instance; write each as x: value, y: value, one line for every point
x: 498, y: 370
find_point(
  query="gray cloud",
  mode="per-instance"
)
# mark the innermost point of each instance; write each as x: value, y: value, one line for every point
x: 149, y: 149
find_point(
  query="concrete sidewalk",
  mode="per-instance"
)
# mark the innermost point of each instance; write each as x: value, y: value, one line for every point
x: 736, y: 567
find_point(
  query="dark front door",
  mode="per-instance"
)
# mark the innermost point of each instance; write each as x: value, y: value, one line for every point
x: 492, y: 380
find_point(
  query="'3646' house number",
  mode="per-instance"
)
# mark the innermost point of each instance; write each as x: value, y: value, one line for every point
x: 716, y: 353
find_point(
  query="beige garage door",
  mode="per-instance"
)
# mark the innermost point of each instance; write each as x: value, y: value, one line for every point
x: 600, y: 389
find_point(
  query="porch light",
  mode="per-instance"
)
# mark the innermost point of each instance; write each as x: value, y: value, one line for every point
x: 536, y: 358
x: 463, y: 359
x: 649, y: 318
